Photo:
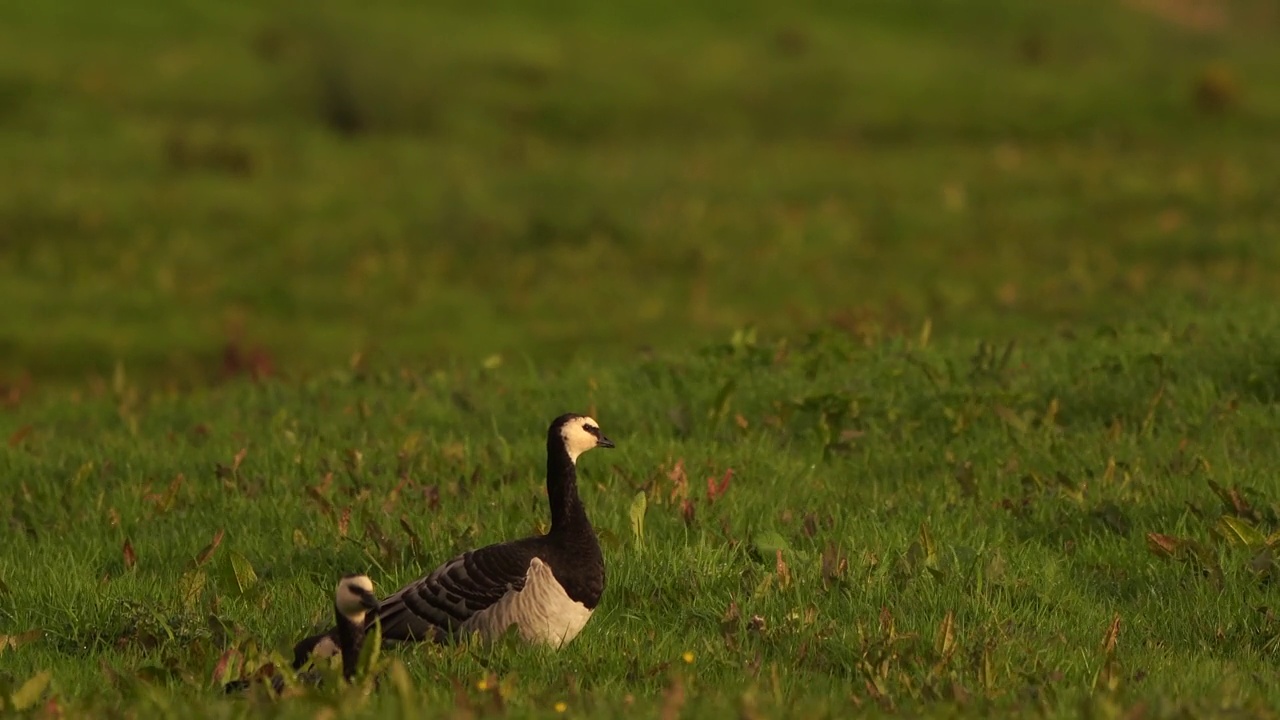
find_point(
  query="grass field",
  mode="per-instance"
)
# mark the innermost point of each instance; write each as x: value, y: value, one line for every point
x: 940, y: 339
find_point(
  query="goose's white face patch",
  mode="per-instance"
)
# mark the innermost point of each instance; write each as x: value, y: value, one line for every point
x: 541, y: 611
x: 326, y: 648
x: 580, y: 435
x: 348, y: 597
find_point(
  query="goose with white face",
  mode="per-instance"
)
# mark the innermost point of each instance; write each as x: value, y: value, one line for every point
x: 581, y: 434
x: 354, y: 598
x: 353, y: 602
x: 546, y: 586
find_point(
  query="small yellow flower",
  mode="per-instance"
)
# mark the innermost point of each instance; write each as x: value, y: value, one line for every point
x: 687, y: 657
x: 561, y: 706
x: 483, y: 684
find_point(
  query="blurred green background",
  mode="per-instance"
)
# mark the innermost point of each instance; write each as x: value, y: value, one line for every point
x: 193, y: 188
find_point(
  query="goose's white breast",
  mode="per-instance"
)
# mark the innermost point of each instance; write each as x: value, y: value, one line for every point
x: 542, y: 611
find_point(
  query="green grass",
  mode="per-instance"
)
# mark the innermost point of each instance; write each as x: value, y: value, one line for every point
x: 434, y: 181
x: 977, y: 300
x: 1012, y: 490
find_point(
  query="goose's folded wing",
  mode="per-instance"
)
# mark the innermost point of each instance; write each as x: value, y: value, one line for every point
x: 436, y: 605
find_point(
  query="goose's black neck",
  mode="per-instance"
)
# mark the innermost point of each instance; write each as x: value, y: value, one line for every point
x: 568, y: 517
x: 350, y: 641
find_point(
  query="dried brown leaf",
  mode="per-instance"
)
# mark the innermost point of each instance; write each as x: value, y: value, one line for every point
x: 834, y: 564
x: 964, y: 476
x: 393, y: 497
x: 810, y: 525
x: 373, y: 531
x: 673, y: 699
x: 316, y: 495
x: 732, y: 613
x: 687, y: 511
x: 462, y: 708
x: 415, y: 542
x: 1112, y: 636
x: 717, y: 489
x: 1161, y: 545
x: 19, y: 435
x: 209, y: 549
x: 945, y: 643
x: 784, y: 572
x: 886, y: 622
x: 13, y: 642
x: 987, y: 670
x: 1234, y: 502
x: 432, y: 495
x: 679, y: 481
x: 130, y: 557
x: 224, y: 662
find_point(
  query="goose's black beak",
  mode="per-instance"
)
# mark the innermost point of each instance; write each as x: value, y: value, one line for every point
x: 369, y: 601
x: 604, y: 442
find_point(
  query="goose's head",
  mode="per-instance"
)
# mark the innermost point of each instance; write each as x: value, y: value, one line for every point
x: 579, y: 434
x: 354, y: 597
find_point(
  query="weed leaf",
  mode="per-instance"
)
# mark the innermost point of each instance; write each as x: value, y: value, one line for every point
x: 720, y: 406
x: 372, y: 650
x: 1238, y: 531
x: 130, y: 557
x: 716, y: 489
x: 246, y: 578
x: 403, y: 686
x: 209, y: 549
x: 19, y: 435
x: 16, y: 641
x: 1161, y: 545
x: 639, y: 504
x: 945, y: 643
x: 31, y: 691
x: 770, y: 542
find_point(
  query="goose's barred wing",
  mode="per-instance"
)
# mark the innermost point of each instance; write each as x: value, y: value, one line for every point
x: 454, y: 592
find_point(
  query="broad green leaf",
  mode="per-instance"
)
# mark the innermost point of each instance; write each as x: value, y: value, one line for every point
x: 720, y: 406
x: 930, y: 549
x: 82, y: 474
x: 1240, y: 531
x: 768, y: 542
x: 639, y: 504
x: 945, y: 642
x: 31, y: 691
x: 370, y: 652
x: 191, y: 586
x: 246, y: 578
x: 403, y: 685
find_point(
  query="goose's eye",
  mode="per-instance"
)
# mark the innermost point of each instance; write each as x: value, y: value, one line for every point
x: 592, y: 430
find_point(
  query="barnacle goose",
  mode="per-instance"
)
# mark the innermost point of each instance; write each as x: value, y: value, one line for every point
x: 353, y: 601
x: 545, y: 585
